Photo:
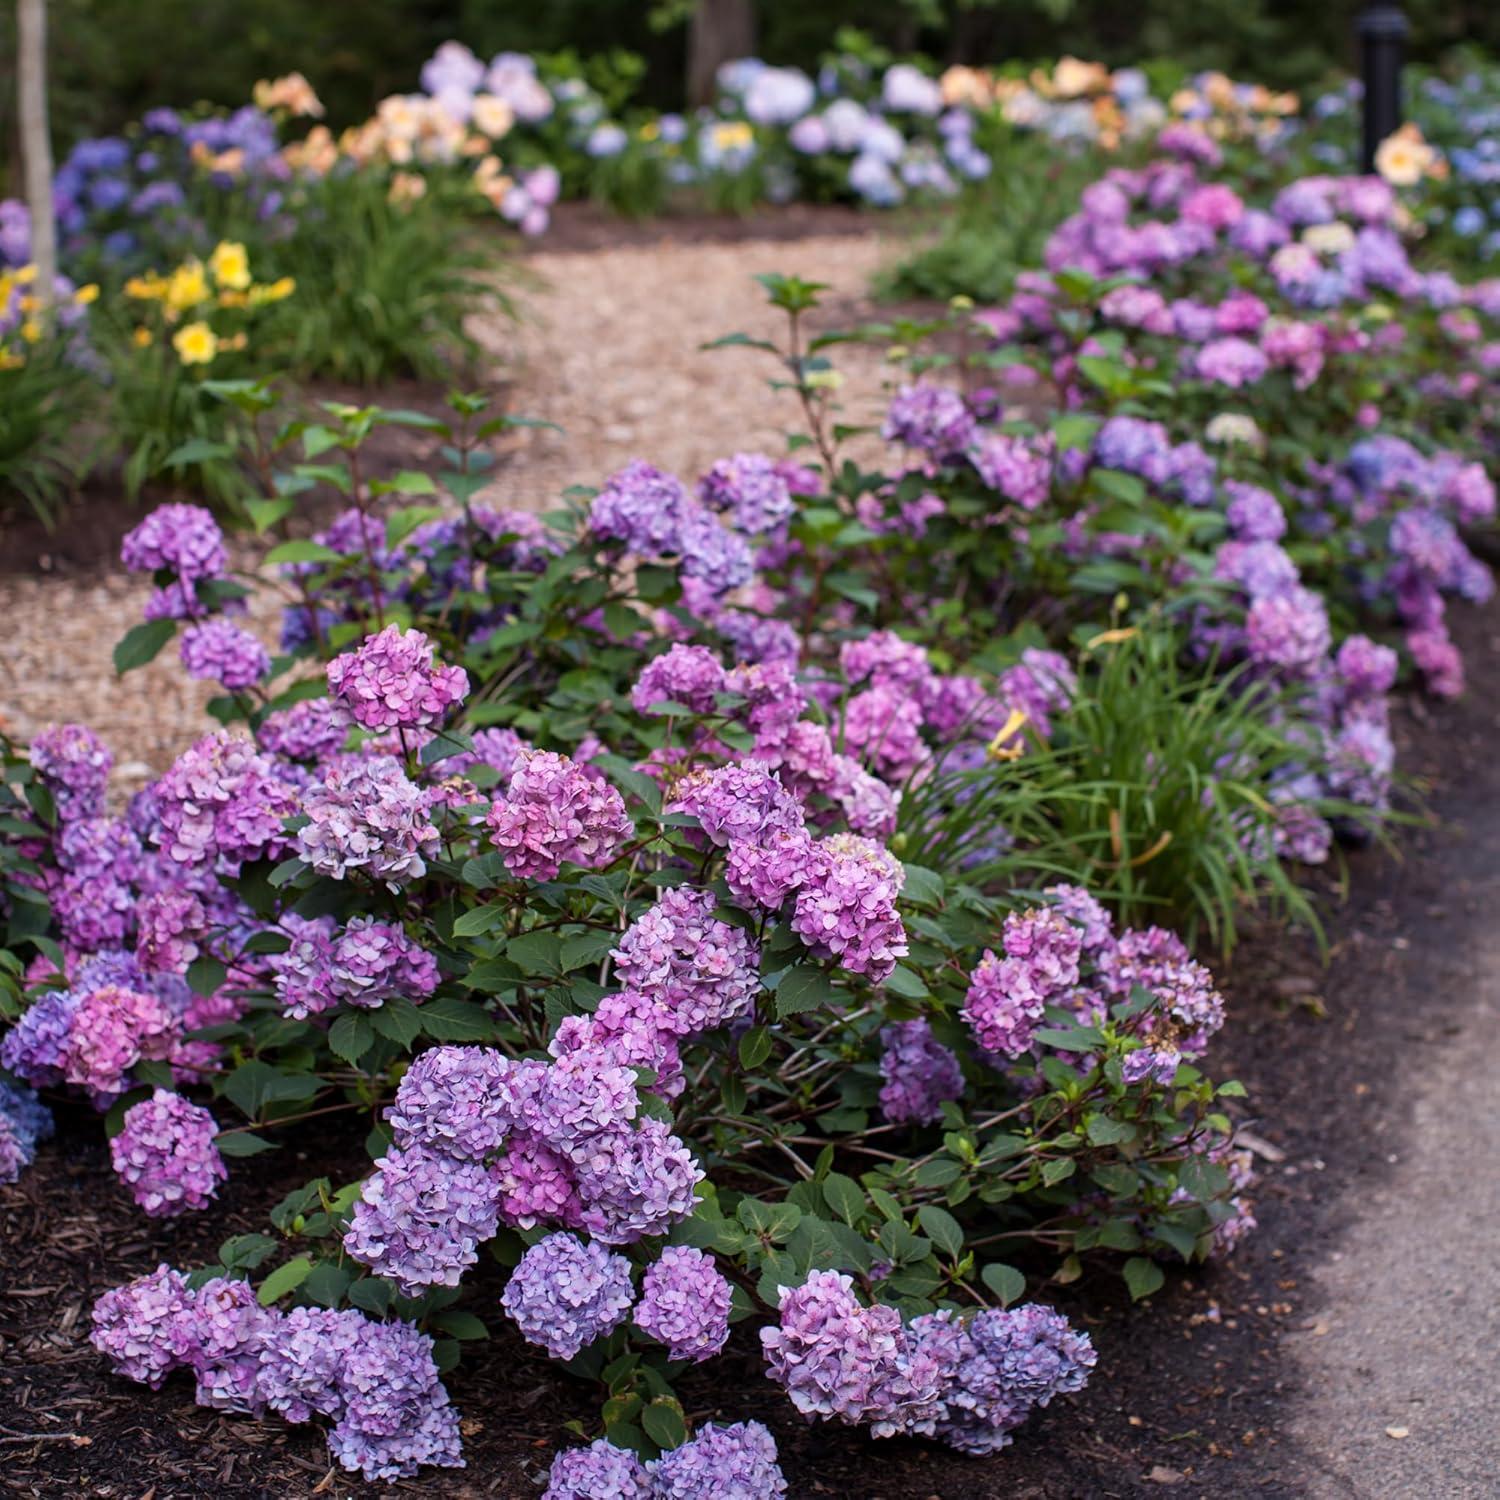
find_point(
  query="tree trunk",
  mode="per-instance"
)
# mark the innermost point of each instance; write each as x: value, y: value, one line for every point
x: 719, y: 32
x: 36, y: 140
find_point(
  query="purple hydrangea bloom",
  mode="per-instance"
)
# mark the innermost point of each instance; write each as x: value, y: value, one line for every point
x: 599, y: 1472
x: 142, y: 1328
x: 1019, y: 468
x: 421, y: 1218
x: 110, y: 1029
x: 24, y: 1120
x: 566, y: 1293
x: 461, y: 1101
x: 392, y: 682
x: 218, y: 650
x: 837, y: 1358
x: 553, y: 811
x: 919, y: 1073
x: 738, y: 1461
x: 226, y: 1332
x: 1188, y: 1010
x: 33, y: 1048
x: 184, y: 538
x: 635, y: 1182
x: 1035, y: 1349
x: 311, y: 730
x: 222, y: 803
x: 700, y: 972
x: 1233, y: 362
x: 718, y: 558
x: 846, y: 908
x: 396, y: 1415
x: 1254, y: 514
x: 364, y: 964
x: 1007, y: 995
x: 642, y: 507
x: 366, y: 815
x: 302, y: 1365
x: 168, y: 926
x: 689, y: 675
x: 500, y: 749
x: 933, y: 418
x: 74, y: 765
x: 684, y: 1303
x: 1097, y: 928
x: 1289, y: 631
x: 166, y: 1156
x: 1366, y: 669
x: 752, y: 489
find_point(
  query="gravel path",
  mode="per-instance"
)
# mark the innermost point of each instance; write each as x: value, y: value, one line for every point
x: 608, y: 349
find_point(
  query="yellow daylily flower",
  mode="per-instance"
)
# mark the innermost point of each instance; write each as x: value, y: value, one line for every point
x: 230, y: 265
x: 196, y: 344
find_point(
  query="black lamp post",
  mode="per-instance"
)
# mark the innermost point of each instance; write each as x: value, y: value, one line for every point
x: 1383, y: 30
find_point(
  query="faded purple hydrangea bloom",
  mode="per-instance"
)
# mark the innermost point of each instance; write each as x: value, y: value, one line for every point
x: 718, y: 558
x: 699, y: 971
x: 1366, y: 669
x: 642, y: 507
x: 392, y: 682
x: 141, y: 1328
x: 1096, y: 926
x: 1035, y: 1349
x: 1189, y: 1008
x: 565, y: 1293
x: 165, y: 1154
x: 599, y: 1472
x: 366, y: 815
x: 837, y: 1358
x: 1254, y: 514
x: 752, y: 489
x: 226, y: 1332
x: 933, y: 418
x: 222, y: 803
x: 218, y: 650
x: 24, y: 1120
x: 311, y: 730
x: 184, y: 538
x: 364, y: 964
x: 689, y: 675
x: 886, y: 660
x: 738, y: 1461
x: 1232, y: 362
x: 883, y: 728
x: 919, y: 1072
x: 301, y: 1367
x: 1019, y: 468
x: 421, y: 1217
x: 684, y: 1303
x: 74, y: 765
x: 396, y: 1415
x: 1289, y: 631
x: 461, y: 1101
x: 110, y: 1029
x: 1007, y: 995
x: 168, y: 926
x: 846, y: 908
x: 554, y: 811
x: 635, y: 1183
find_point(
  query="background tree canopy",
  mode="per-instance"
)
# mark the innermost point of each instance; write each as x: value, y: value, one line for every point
x: 114, y: 58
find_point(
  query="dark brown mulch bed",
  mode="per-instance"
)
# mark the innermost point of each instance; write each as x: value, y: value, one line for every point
x: 1190, y: 1392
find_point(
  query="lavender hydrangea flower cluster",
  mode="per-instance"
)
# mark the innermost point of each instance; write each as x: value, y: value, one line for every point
x: 365, y: 815
x: 74, y: 765
x: 217, y: 650
x: 738, y: 1461
x: 930, y: 417
x: 752, y: 490
x: 24, y: 1121
x: 846, y: 907
x: 391, y: 682
x: 222, y: 804
x: 183, y: 540
x: 364, y: 963
x: 565, y: 1293
x: 1007, y: 996
x: 573, y: 1152
x: 165, y: 1153
x: 920, y: 1074
x: 968, y: 1384
x: 376, y: 1382
x: 555, y: 811
x: 655, y: 517
x: 699, y: 971
x: 684, y: 1303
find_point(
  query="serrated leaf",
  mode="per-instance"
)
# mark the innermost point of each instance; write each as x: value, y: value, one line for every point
x: 242, y: 1143
x: 845, y: 1197
x: 922, y: 886
x: 803, y: 988
x: 941, y: 1228
x: 754, y: 1047
x: 397, y: 1020
x: 450, y: 1020
x: 351, y: 1036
